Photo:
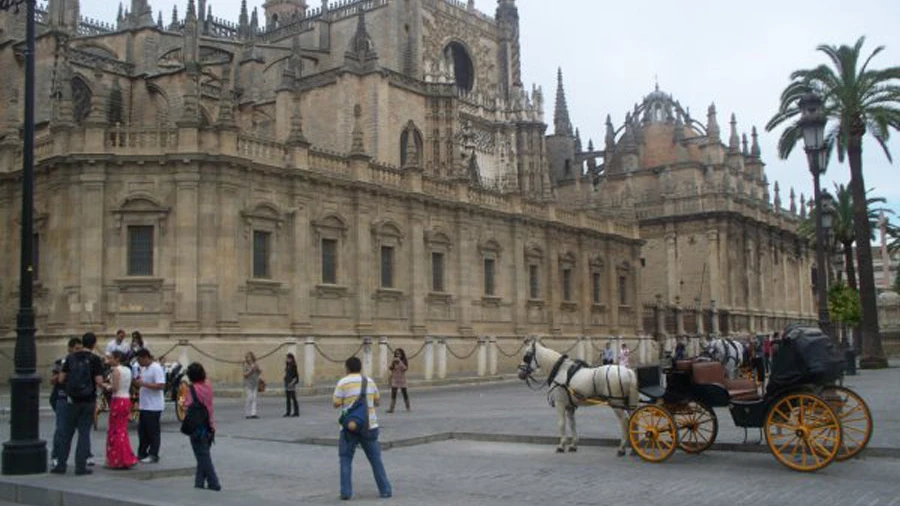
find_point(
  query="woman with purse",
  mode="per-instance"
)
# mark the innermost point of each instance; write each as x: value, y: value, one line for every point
x: 202, y: 437
x: 291, y: 378
x: 399, y: 366
x: 252, y: 380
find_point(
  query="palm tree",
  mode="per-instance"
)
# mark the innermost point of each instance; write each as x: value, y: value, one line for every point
x: 858, y: 100
x: 842, y: 225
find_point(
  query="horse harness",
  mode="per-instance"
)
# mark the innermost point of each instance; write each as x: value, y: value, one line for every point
x: 576, y: 366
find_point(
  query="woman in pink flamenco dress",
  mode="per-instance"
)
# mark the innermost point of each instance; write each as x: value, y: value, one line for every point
x: 118, y: 447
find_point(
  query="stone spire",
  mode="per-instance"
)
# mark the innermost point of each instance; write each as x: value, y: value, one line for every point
x: 254, y: 23
x: 141, y: 14
x: 358, y: 146
x: 734, y: 141
x: 225, y: 119
x: 64, y: 14
x: 745, y: 150
x: 678, y: 132
x: 629, y: 144
x: 777, y: 197
x: 712, y: 125
x: 361, y: 52
x: 562, y: 125
x: 201, y: 11
x: 610, y: 134
x: 577, y: 141
x: 174, y: 24
x: 802, y: 206
x: 793, y: 198
x: 159, y: 21
x: 754, y: 148
x: 244, y: 21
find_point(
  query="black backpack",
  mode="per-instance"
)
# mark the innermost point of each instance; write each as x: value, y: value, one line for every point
x: 196, y: 416
x: 80, y: 378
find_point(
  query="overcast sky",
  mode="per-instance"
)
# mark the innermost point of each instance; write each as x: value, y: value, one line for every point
x: 736, y: 54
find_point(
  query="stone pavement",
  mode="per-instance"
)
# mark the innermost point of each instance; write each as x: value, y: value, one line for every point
x: 450, y: 450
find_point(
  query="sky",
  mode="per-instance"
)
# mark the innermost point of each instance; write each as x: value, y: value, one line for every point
x: 736, y: 54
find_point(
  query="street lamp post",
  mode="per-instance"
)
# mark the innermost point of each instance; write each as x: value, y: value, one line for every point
x: 25, y: 452
x: 812, y: 124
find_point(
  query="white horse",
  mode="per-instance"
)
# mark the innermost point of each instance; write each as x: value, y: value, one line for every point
x: 618, y: 385
x: 729, y: 353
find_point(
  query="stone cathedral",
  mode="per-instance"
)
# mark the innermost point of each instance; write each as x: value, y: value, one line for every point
x: 365, y: 168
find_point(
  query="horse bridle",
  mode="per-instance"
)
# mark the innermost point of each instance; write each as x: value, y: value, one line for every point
x: 526, y: 368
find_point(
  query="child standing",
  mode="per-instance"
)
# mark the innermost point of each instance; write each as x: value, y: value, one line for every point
x: 399, y: 366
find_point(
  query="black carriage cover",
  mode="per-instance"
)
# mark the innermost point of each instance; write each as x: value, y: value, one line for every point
x: 805, y: 355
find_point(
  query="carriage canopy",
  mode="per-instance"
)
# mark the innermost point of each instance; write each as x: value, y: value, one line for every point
x: 805, y: 355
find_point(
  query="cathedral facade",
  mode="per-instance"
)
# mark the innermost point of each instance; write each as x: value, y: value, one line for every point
x: 361, y: 168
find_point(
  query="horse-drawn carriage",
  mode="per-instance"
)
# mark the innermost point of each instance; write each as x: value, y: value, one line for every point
x: 175, y: 392
x: 807, y: 420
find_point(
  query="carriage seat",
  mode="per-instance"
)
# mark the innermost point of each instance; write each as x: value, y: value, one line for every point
x: 713, y: 373
x: 683, y: 365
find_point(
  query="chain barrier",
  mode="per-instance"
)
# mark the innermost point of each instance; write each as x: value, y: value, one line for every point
x: 332, y: 360
x: 570, y: 348
x: 450, y: 351
x: 37, y: 366
x: 163, y: 354
x: 214, y: 358
x: 509, y: 355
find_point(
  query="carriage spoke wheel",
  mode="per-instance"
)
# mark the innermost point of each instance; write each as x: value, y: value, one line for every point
x: 803, y: 432
x: 855, y: 417
x: 697, y: 426
x: 179, y: 402
x: 652, y: 433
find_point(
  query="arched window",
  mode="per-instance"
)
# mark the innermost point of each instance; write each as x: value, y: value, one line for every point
x: 81, y: 100
x: 463, y: 68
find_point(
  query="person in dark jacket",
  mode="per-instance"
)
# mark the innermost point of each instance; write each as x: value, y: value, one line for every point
x: 203, y: 437
x: 291, y: 379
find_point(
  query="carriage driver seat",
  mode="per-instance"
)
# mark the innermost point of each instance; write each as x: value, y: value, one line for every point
x: 713, y: 373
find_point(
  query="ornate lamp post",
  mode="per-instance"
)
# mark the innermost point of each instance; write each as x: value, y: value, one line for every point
x: 25, y: 452
x: 812, y: 123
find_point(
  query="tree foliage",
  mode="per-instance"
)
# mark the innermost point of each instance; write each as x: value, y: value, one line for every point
x: 843, y: 304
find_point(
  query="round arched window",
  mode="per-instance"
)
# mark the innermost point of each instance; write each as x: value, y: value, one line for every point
x: 463, y: 68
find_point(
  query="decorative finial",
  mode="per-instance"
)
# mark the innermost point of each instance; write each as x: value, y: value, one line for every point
x: 754, y: 148
x: 734, y: 142
x: 712, y: 125
x: 777, y: 196
x: 562, y: 125
x: 745, y: 150
x: 802, y: 206
x: 793, y: 206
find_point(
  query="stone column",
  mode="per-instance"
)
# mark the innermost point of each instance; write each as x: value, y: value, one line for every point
x: 186, y: 251
x: 183, y: 358
x: 292, y: 347
x: 659, y: 311
x: 367, y: 356
x: 362, y: 264
x: 302, y: 266
x: 482, y: 356
x: 698, y: 315
x: 492, y: 355
x: 712, y: 259
x: 207, y: 245
x: 464, y: 275
x: 588, y: 350
x: 442, y: 358
x: 714, y: 317
x: 384, y: 356
x: 672, y: 277
x: 93, y: 190
x: 417, y: 262
x: 679, y: 318
x: 309, y: 361
x: 519, y: 279
x: 226, y: 253
x: 553, y: 295
x: 579, y: 348
x: 429, y: 358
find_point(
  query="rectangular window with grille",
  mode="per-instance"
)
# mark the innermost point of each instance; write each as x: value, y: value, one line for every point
x: 534, y: 285
x: 387, y: 267
x: 567, y: 284
x: 595, y: 287
x: 140, y: 250
x: 35, y: 257
x: 437, y: 272
x: 262, y: 245
x: 329, y: 261
x: 489, y: 276
x: 623, y: 290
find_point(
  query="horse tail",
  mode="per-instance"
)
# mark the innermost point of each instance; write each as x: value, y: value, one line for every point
x: 634, y: 396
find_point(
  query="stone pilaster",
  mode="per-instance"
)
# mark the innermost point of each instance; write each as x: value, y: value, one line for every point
x: 712, y: 259
x: 93, y: 183
x: 302, y: 272
x: 362, y: 263
x: 186, y: 247
x: 553, y: 291
x: 418, y: 260
x: 226, y: 253
x: 519, y: 278
x: 672, y: 277
x: 464, y: 271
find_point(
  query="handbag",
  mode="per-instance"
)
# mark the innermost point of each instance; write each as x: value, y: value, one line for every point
x: 261, y: 385
x: 196, y: 417
x: 356, y: 418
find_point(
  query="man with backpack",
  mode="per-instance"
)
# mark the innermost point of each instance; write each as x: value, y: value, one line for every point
x: 81, y: 374
x: 59, y: 402
x: 365, y: 433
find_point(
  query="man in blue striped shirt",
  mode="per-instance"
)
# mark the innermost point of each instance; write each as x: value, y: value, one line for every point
x: 345, y: 394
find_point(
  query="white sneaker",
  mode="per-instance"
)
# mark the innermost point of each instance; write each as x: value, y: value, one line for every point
x: 150, y: 460
x: 54, y: 462
x: 90, y: 461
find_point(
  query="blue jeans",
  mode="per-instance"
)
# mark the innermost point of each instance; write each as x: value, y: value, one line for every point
x: 347, y: 447
x: 62, y: 411
x: 79, y: 416
x: 206, y: 473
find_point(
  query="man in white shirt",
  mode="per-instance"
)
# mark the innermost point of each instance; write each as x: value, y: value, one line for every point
x: 118, y: 344
x: 152, y: 382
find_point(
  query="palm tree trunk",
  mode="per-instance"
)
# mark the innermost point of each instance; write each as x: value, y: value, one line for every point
x: 872, y: 353
x: 849, y: 266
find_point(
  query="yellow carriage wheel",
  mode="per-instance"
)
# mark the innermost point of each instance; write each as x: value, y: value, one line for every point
x: 179, y: 402
x: 697, y: 425
x: 803, y: 432
x: 652, y: 433
x: 855, y: 417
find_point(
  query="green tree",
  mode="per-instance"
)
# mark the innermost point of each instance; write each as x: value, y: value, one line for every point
x: 842, y: 227
x: 843, y: 304
x: 858, y: 100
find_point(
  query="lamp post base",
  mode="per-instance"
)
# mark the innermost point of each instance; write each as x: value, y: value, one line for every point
x: 873, y: 363
x: 25, y: 452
